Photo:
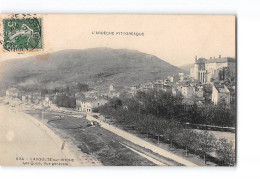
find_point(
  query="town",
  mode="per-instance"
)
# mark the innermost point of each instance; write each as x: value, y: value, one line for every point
x: 211, y: 81
x: 177, y: 110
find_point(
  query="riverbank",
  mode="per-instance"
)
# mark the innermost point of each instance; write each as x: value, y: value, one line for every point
x: 24, y: 140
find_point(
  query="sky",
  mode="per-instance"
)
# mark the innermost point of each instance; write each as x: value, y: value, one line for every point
x: 176, y: 39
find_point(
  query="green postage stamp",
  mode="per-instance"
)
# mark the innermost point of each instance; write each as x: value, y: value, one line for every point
x: 22, y: 34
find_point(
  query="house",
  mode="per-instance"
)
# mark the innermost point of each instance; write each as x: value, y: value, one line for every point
x: 23, y: 98
x: 39, y: 100
x: 207, y: 89
x: 188, y: 91
x: 12, y: 93
x: 167, y: 88
x: 174, y: 90
x: 47, y: 100
x: 187, y: 103
x: 220, y: 94
x: 199, y: 91
x: 88, y: 105
x: 171, y: 78
x: 78, y: 104
x: 146, y: 86
x: 114, y: 90
x: 181, y: 76
x: 158, y: 85
x: 133, y: 89
x: 232, y: 90
x: 28, y: 98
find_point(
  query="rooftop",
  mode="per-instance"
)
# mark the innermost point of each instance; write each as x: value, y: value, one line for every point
x: 215, y: 60
x: 221, y: 88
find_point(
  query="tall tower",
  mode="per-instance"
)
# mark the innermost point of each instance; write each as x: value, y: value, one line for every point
x: 194, y: 70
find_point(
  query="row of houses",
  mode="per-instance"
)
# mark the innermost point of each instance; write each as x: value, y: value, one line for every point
x: 27, y: 97
x: 85, y: 102
x: 193, y: 91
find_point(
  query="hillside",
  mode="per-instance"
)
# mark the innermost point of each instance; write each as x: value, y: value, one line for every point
x: 186, y: 68
x: 98, y: 66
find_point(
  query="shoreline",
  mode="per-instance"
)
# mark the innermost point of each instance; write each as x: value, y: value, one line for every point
x: 69, y: 154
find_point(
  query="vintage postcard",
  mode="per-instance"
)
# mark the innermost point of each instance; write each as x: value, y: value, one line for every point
x: 117, y: 90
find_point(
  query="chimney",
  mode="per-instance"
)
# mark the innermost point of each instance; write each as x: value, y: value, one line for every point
x: 196, y: 58
x: 219, y: 56
x: 210, y: 58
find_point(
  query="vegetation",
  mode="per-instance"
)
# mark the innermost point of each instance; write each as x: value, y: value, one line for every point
x: 68, y: 89
x: 96, y: 66
x: 65, y: 101
x: 161, y: 114
x: 169, y: 107
x: 225, y: 150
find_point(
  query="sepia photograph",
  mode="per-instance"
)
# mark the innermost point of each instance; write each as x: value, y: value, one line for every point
x: 118, y: 90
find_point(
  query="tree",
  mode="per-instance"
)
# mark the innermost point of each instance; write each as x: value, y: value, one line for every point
x: 207, y: 115
x: 225, y: 150
x: 132, y: 104
x: 206, y: 143
x: 82, y: 87
x: 144, y: 125
x: 187, y: 139
x: 65, y: 101
x: 158, y: 125
x: 115, y: 103
x: 173, y: 131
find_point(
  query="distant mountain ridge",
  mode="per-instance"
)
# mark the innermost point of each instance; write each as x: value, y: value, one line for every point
x: 98, y: 66
x: 186, y: 68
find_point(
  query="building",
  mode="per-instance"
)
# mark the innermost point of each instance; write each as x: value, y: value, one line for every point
x: 187, y: 103
x: 114, y: 91
x: 199, y: 91
x: 12, y: 93
x: 23, y: 98
x: 174, y: 90
x: 47, y: 101
x: 175, y: 77
x: 181, y: 76
x: 188, y: 91
x: 167, y: 88
x: 220, y: 94
x: 232, y: 90
x: 207, y: 69
x: 170, y: 78
x: 78, y: 104
x: 87, y: 105
x: 146, y: 86
x: 158, y: 86
x: 133, y: 89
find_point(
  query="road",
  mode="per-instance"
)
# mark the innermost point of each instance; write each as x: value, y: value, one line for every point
x: 109, y: 148
x: 108, y: 145
x: 138, y: 141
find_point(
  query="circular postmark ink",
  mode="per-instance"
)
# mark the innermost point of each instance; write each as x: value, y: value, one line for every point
x: 22, y: 34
